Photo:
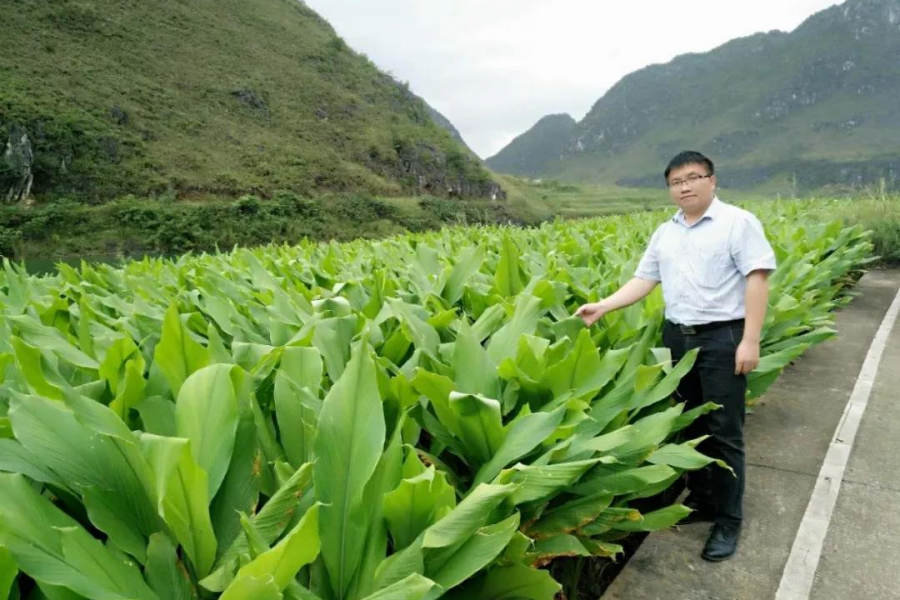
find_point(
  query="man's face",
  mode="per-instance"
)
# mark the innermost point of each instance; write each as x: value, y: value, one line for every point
x: 691, y: 186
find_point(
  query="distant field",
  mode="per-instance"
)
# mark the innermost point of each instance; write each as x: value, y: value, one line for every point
x: 590, y: 200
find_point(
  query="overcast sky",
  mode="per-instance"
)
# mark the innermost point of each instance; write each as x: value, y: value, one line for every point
x: 494, y: 67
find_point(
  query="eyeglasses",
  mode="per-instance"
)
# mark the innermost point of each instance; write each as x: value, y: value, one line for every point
x: 690, y: 180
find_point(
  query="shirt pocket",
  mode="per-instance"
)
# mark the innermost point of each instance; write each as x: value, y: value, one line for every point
x: 712, y: 269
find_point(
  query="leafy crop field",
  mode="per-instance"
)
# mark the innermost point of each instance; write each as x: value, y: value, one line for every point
x: 417, y: 417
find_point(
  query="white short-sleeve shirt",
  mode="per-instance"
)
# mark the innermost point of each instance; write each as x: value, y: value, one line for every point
x: 703, y: 267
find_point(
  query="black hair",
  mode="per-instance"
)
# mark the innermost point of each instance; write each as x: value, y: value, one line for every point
x: 689, y: 157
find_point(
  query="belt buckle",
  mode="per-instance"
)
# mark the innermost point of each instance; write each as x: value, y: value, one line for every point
x: 687, y: 329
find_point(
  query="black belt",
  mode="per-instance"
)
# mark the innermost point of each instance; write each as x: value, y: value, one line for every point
x: 695, y: 329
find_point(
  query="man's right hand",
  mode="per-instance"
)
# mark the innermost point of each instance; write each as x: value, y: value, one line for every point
x: 591, y: 313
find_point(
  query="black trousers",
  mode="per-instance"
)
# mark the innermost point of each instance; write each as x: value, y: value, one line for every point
x: 712, y: 379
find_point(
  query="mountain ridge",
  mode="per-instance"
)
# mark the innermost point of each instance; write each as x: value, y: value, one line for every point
x: 805, y: 109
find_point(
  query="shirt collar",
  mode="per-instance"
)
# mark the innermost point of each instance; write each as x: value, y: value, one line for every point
x: 712, y: 211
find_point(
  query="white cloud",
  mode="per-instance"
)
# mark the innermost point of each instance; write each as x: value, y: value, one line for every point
x: 494, y: 67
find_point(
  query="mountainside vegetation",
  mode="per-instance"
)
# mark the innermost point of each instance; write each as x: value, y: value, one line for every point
x: 103, y: 98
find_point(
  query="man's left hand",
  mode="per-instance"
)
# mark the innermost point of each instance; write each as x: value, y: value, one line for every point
x: 747, y: 357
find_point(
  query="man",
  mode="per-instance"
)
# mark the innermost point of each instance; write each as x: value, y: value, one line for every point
x: 713, y: 261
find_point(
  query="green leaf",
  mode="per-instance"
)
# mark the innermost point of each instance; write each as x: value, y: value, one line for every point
x: 178, y: 355
x: 387, y: 477
x: 297, y: 405
x: 582, y: 372
x: 513, y: 582
x: 467, y: 265
x: 271, y: 521
x: 656, y: 520
x: 183, y: 497
x: 683, y: 456
x: 41, y: 375
x: 542, y: 482
x: 524, y: 435
x: 450, y: 567
x: 349, y: 442
x: 547, y: 549
x: 164, y: 571
x: 298, y: 548
x: 413, y: 587
x: 15, y: 458
x: 332, y: 338
x: 467, y: 517
x: 53, y: 548
x: 570, y: 516
x: 240, y: 488
x: 253, y: 588
x: 94, y: 454
x: 416, y: 504
x: 524, y: 321
x: 480, y: 425
x: 623, y: 482
x: 474, y: 373
x: 8, y: 573
x: 131, y: 389
x: 508, y: 278
x: 206, y: 413
x: 51, y: 340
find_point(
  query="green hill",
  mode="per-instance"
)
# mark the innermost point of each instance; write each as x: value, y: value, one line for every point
x: 196, y: 98
x: 530, y: 153
x: 776, y: 111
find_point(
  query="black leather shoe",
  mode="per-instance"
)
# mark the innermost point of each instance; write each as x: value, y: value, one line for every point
x: 722, y: 542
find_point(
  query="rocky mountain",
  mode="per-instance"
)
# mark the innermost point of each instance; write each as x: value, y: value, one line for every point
x: 528, y: 154
x: 188, y: 99
x: 801, y: 110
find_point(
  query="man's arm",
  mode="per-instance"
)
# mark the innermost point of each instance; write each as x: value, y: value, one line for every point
x: 628, y: 294
x: 756, y: 298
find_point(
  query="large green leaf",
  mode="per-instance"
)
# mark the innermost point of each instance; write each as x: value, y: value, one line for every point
x: 206, y: 413
x: 570, y: 516
x: 524, y: 321
x: 178, y: 354
x: 525, y: 433
x: 508, y: 278
x: 240, y: 488
x: 51, y: 340
x: 449, y: 567
x: 683, y: 456
x: 53, y: 548
x: 474, y: 373
x: 253, y: 588
x: 297, y: 404
x: 479, y: 423
x: 658, y: 519
x: 513, y: 582
x: 349, y: 442
x: 89, y: 448
x: 271, y: 521
x: 416, y: 504
x: 467, y: 265
x: 8, y: 572
x: 413, y: 587
x: 469, y: 516
x: 183, y: 498
x: 164, y: 571
x: 281, y: 563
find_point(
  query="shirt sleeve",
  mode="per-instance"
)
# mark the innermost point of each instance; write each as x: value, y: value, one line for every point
x: 648, y: 268
x: 749, y: 247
